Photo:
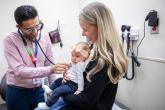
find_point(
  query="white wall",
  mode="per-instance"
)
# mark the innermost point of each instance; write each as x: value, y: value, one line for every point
x: 147, y: 90
x: 50, y: 11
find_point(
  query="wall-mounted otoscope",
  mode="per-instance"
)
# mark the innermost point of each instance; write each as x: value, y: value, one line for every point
x: 126, y: 29
x: 123, y: 29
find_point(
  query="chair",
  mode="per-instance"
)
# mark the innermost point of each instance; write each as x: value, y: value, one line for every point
x: 3, y: 87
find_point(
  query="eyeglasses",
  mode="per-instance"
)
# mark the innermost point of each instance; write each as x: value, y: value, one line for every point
x: 31, y: 29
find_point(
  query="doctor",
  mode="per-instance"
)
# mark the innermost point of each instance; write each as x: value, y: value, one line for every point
x: 27, y: 63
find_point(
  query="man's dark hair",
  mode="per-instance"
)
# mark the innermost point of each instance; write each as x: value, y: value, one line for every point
x: 24, y: 13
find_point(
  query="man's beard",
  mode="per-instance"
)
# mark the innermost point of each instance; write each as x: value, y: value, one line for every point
x: 31, y: 37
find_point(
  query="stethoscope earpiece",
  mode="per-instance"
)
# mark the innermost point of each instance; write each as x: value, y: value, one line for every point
x: 42, y: 25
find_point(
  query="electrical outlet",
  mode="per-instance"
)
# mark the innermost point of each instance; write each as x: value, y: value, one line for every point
x: 154, y: 30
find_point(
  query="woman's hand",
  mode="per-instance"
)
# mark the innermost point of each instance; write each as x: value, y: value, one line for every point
x: 77, y: 92
x: 59, y: 68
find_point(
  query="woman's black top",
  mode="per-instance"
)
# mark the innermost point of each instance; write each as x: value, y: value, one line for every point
x: 99, y: 94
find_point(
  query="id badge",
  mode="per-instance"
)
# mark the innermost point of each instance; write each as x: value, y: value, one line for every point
x: 36, y: 81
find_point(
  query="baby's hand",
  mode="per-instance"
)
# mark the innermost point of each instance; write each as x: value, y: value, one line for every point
x: 77, y: 92
x: 63, y: 81
x: 65, y: 78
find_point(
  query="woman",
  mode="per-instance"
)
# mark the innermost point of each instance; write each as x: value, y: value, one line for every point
x: 108, y: 63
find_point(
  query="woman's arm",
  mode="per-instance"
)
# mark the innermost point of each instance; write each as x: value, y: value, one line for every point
x: 92, y: 91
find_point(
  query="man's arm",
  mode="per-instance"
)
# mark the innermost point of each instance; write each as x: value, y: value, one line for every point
x: 15, y: 61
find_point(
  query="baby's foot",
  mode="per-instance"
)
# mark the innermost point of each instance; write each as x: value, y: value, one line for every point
x: 43, y: 106
x: 46, y: 89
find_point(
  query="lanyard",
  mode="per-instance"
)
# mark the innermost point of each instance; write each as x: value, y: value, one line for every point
x: 32, y: 58
x: 36, y: 49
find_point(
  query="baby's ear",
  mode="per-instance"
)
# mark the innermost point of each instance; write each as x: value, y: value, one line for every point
x: 86, y: 47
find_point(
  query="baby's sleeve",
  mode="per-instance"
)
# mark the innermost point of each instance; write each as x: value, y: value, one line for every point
x: 80, y: 68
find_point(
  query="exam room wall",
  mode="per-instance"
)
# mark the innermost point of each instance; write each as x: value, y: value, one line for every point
x: 147, y: 90
x: 50, y: 11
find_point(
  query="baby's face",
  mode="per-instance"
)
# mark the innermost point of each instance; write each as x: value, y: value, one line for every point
x: 76, y: 57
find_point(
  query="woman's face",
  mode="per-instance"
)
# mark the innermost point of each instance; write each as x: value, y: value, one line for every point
x: 90, y: 31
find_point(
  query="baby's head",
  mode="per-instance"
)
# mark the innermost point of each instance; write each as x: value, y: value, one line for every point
x: 80, y: 52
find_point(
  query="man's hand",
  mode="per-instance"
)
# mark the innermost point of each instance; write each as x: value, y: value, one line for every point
x: 59, y: 68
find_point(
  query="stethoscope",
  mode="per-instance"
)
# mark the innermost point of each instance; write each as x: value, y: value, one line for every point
x: 36, y: 41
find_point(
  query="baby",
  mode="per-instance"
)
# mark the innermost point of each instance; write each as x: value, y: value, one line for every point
x: 80, y: 53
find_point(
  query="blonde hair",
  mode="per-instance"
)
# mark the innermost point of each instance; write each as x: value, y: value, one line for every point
x: 81, y: 48
x: 107, y: 48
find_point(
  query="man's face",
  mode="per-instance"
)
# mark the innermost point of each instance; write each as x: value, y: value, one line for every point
x: 30, y: 28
